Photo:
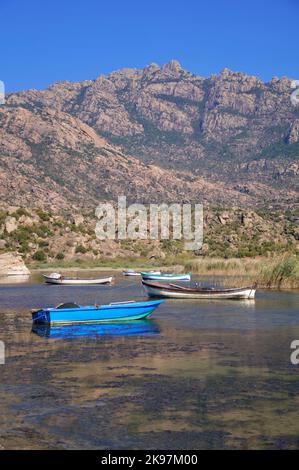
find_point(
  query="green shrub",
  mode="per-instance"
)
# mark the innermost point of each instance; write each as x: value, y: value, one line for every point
x: 44, y: 216
x: 81, y: 249
x: 21, y: 235
x: 3, y: 216
x: 58, y: 223
x: 20, y: 212
x: 42, y: 231
x: 24, y: 247
x: 43, y: 244
x: 39, y: 255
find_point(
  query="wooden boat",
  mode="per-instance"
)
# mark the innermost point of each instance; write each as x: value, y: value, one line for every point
x: 56, y: 278
x: 71, y: 313
x: 165, y: 277
x: 128, y: 328
x: 159, y: 289
x: 131, y: 272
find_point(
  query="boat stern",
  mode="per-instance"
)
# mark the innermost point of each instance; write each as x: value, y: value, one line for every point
x: 252, y: 293
x: 41, y: 316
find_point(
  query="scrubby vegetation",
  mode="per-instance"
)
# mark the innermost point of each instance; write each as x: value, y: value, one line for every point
x: 39, y: 256
x: 237, y: 243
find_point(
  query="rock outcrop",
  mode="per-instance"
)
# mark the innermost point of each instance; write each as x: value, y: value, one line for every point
x: 293, y: 136
x: 10, y: 224
x: 11, y: 264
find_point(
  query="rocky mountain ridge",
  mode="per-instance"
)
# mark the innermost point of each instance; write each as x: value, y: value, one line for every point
x: 158, y: 133
x: 52, y: 160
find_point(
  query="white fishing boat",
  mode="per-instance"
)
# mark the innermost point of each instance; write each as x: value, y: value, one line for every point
x: 175, y: 291
x: 57, y: 278
x: 132, y: 272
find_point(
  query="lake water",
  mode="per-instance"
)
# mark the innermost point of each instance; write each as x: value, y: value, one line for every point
x: 199, y: 375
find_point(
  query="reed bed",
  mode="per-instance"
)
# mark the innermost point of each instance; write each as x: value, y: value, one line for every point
x: 280, y: 272
x: 283, y: 273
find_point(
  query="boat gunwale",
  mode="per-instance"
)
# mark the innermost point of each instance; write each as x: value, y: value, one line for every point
x: 113, y: 306
x: 173, y: 288
x: 63, y: 278
x: 174, y: 276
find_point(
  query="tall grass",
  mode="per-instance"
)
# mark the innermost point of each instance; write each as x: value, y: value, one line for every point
x: 219, y: 266
x: 281, y: 273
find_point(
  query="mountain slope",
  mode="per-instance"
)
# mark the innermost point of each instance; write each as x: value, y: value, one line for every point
x: 52, y: 160
x: 230, y: 128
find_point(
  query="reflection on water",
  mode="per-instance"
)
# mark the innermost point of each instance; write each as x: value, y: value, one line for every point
x: 132, y: 328
x: 199, y: 375
x: 12, y: 280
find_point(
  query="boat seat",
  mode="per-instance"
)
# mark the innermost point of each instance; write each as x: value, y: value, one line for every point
x: 68, y: 305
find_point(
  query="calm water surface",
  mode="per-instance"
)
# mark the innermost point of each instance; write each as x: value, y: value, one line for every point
x: 200, y: 374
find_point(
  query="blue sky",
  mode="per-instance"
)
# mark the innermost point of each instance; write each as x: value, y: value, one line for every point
x: 45, y: 41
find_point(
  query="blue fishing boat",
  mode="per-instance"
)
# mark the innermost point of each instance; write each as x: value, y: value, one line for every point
x: 129, y: 328
x: 166, y: 277
x: 71, y: 313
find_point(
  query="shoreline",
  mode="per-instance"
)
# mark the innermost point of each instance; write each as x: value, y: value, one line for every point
x: 278, y: 272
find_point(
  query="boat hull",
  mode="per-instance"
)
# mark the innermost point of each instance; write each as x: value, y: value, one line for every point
x: 167, y: 292
x: 129, y: 273
x: 137, y: 273
x: 165, y: 277
x: 78, y: 282
x: 96, y: 314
